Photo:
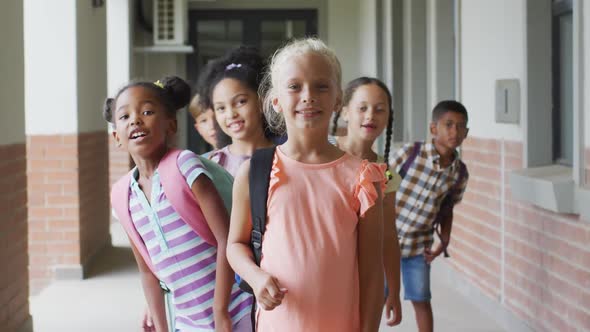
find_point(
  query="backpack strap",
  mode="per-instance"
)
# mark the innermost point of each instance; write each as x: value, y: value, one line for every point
x: 222, y: 180
x: 181, y: 196
x: 259, y: 177
x: 120, y: 203
x: 446, y: 206
x: 406, y: 165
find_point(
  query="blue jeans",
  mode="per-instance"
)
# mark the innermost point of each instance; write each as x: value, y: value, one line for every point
x: 416, y: 278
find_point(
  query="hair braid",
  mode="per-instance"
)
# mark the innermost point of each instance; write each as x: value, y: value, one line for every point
x: 335, y: 123
x: 388, y: 135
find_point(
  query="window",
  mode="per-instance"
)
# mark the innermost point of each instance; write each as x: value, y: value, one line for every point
x: 563, y: 108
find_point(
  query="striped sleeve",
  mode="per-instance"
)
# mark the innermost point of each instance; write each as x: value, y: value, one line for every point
x: 191, y: 167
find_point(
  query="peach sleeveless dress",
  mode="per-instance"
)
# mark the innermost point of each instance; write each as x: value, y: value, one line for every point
x: 310, y: 244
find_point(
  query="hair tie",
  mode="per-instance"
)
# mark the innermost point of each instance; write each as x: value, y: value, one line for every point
x: 232, y: 66
x: 159, y: 84
x: 389, y: 175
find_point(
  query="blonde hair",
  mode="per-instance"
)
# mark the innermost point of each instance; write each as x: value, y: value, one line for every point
x: 267, y: 90
x: 195, y: 107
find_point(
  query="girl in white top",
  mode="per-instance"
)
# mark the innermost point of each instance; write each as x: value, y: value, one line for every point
x: 367, y: 111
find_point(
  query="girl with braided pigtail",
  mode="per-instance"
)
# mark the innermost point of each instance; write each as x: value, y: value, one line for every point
x: 367, y: 111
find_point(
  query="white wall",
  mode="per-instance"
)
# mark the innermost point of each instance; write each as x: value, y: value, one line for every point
x: 367, y: 44
x: 492, y: 48
x: 12, y: 86
x: 344, y: 36
x: 50, y: 67
x: 119, y: 44
x: 91, y: 64
x: 586, y: 38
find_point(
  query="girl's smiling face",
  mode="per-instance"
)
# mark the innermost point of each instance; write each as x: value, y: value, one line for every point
x: 306, y: 92
x: 237, y: 109
x: 142, y: 125
x: 367, y: 113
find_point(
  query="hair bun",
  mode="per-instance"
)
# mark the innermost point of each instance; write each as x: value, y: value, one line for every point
x: 107, y: 112
x: 178, y: 90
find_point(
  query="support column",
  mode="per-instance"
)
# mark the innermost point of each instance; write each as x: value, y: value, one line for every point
x: 119, y: 68
x: 67, y: 151
x: 440, y: 52
x: 14, y: 282
x: 415, y: 88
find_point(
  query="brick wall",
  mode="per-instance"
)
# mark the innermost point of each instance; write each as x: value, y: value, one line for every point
x: 14, y: 290
x: 534, y: 262
x: 119, y: 164
x: 94, y: 207
x: 67, y: 212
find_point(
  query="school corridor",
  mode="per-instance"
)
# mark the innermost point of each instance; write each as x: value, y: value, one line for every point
x: 521, y: 236
x: 111, y: 299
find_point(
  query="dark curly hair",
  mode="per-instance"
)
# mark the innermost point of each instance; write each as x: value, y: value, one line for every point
x: 173, y: 92
x: 244, y: 64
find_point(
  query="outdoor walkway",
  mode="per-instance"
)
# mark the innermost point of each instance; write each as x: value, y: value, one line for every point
x: 111, y: 300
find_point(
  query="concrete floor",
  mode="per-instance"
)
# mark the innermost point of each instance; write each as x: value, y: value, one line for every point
x: 111, y: 300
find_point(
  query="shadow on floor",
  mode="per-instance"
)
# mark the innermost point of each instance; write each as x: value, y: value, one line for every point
x: 113, y: 261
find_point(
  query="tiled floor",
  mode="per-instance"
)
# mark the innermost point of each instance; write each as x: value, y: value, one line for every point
x: 111, y: 300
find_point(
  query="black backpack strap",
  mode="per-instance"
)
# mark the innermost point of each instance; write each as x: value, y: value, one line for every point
x: 406, y: 165
x: 447, y: 205
x: 259, y: 176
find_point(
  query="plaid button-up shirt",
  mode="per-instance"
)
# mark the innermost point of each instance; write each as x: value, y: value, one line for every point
x: 420, y: 194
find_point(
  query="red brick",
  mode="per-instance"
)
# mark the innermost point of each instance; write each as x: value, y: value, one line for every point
x: 488, y: 261
x: 485, y: 171
x: 482, y: 230
x: 478, y: 144
x: 480, y: 157
x: 513, y: 163
x: 62, y: 200
x: 44, y: 164
x: 470, y: 271
x: 516, y: 308
x: 484, y: 187
x: 565, y: 270
x: 45, y: 212
x: 70, y: 139
x: 472, y: 210
x: 63, y: 224
x: 513, y: 148
x: 523, y: 249
x: 13, y: 236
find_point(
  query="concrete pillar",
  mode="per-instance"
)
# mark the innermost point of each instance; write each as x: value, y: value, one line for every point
x: 440, y: 52
x: 14, y: 282
x: 67, y: 167
x: 119, y: 69
x: 415, y: 87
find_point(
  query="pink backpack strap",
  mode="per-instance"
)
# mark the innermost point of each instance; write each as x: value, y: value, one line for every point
x: 120, y: 203
x: 181, y: 196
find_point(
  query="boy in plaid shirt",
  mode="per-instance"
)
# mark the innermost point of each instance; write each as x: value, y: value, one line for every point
x: 434, y: 180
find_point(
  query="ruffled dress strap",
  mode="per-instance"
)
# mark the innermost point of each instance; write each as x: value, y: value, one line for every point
x: 277, y: 175
x: 365, y: 193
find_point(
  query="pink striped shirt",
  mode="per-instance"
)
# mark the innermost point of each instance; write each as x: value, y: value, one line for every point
x: 183, y: 260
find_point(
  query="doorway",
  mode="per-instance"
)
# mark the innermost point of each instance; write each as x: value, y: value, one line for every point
x: 213, y: 32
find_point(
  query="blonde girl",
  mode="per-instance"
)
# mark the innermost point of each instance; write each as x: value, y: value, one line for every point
x: 321, y: 264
